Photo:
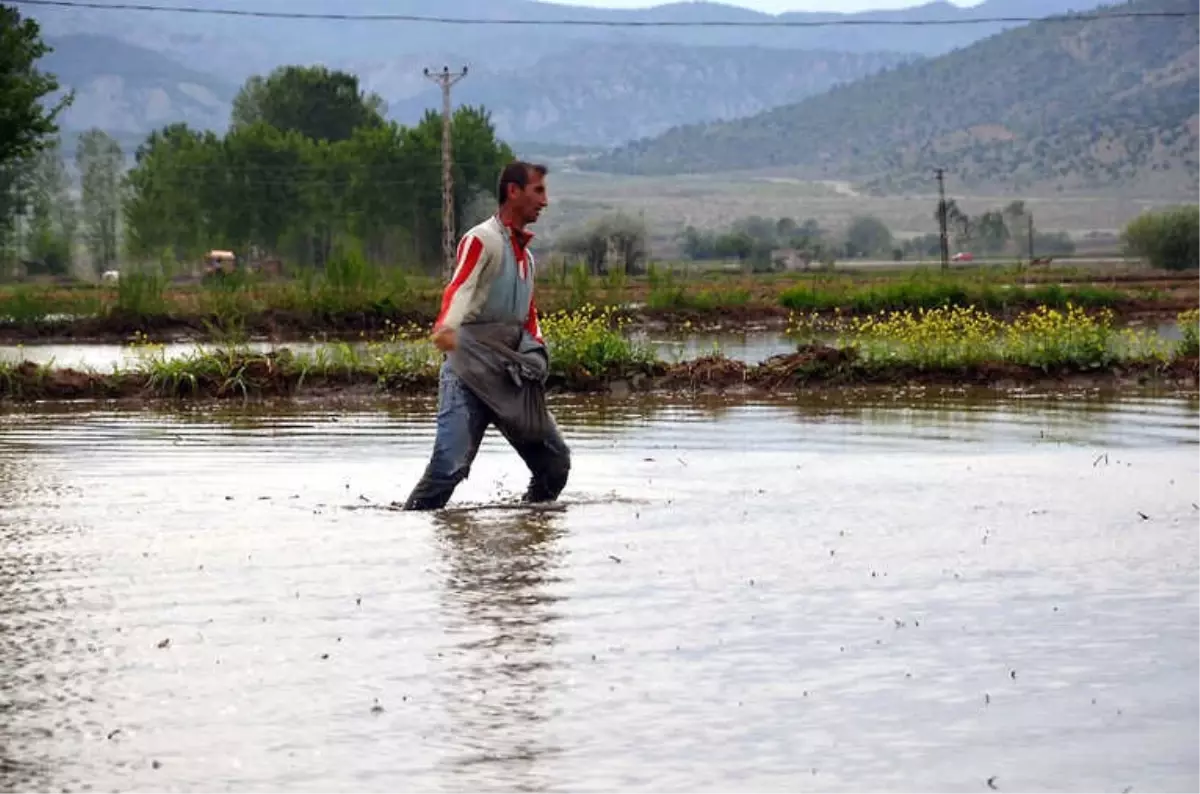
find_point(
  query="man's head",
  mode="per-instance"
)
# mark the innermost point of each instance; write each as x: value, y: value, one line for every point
x: 522, y: 191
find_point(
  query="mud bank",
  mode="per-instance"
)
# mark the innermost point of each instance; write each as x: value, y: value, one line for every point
x: 282, y: 327
x: 814, y: 367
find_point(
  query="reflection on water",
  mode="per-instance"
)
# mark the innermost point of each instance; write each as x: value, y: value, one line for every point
x: 500, y: 622
x: 814, y: 594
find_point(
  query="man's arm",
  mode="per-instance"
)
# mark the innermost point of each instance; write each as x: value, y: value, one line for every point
x: 460, y: 293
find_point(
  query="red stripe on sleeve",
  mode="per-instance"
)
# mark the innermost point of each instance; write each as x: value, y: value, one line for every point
x: 466, y: 265
x: 531, y: 322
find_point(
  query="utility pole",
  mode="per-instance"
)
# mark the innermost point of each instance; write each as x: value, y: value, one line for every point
x: 1030, y: 216
x: 945, y: 240
x: 446, y: 79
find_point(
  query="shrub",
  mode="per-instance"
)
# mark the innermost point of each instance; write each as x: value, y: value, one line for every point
x: 1169, y: 239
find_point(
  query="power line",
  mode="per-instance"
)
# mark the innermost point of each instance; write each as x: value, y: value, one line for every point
x: 608, y: 23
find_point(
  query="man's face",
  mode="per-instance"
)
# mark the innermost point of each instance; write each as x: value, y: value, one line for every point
x: 529, y: 201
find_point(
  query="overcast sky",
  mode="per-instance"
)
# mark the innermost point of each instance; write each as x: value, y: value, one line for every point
x: 773, y: 6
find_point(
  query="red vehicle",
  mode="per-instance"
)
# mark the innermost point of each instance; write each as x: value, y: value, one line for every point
x: 963, y: 256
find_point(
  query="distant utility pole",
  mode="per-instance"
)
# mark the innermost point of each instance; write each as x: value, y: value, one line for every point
x: 1030, y: 238
x: 945, y: 240
x: 446, y: 79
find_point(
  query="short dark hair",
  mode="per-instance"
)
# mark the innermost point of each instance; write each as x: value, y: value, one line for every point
x: 517, y: 173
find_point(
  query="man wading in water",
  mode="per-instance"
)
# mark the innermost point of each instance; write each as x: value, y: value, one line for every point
x: 496, y: 364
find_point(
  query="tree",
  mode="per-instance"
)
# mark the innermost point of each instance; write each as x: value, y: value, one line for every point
x: 958, y: 223
x: 52, y: 219
x: 264, y: 190
x: 619, y: 234
x: 627, y: 237
x: 697, y: 245
x: 867, y: 236
x: 99, y: 160
x: 177, y: 199
x: 588, y: 243
x: 991, y: 232
x: 735, y: 245
x: 479, y: 157
x: 318, y: 103
x: 1169, y: 239
x: 27, y: 126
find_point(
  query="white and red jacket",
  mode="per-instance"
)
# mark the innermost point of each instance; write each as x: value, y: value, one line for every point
x: 493, y: 279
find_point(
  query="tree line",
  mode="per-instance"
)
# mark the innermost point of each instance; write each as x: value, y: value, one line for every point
x: 759, y: 241
x: 308, y: 166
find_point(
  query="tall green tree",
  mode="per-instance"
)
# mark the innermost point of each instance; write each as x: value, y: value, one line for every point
x: 177, y: 200
x: 27, y: 124
x: 52, y: 218
x: 100, y: 161
x: 316, y: 102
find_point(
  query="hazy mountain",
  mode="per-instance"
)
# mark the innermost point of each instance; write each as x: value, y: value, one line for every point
x: 237, y: 46
x: 1065, y: 104
x: 136, y: 70
x: 128, y: 91
x: 610, y: 93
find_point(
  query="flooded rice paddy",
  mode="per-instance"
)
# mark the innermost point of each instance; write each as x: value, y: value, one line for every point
x: 880, y: 595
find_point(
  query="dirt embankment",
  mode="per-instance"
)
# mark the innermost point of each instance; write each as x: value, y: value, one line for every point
x: 813, y: 367
x: 280, y: 326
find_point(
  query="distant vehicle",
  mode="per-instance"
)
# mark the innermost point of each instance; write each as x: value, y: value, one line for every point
x: 219, y: 262
x: 963, y: 256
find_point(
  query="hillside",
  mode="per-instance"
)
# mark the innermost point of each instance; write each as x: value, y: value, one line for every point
x: 128, y: 90
x: 1077, y: 104
x: 597, y: 97
x: 609, y: 93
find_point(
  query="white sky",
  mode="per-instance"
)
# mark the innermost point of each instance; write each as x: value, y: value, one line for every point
x: 773, y: 6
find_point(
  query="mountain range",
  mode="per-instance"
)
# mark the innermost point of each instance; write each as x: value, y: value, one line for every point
x: 136, y: 70
x: 1085, y: 104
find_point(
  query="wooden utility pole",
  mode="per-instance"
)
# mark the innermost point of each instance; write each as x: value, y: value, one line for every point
x: 446, y: 79
x: 944, y: 235
x: 1030, y: 238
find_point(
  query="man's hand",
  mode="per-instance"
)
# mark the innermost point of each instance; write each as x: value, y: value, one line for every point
x: 445, y: 339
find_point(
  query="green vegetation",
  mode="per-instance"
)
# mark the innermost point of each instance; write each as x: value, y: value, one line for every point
x: 1189, y: 326
x: 766, y: 244
x: 950, y: 337
x: 753, y: 239
x: 1059, y: 104
x: 588, y: 353
x: 1168, y: 240
x: 267, y: 191
x: 926, y: 291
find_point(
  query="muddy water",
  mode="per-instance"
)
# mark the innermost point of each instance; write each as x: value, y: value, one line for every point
x: 880, y: 596
x: 751, y: 347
